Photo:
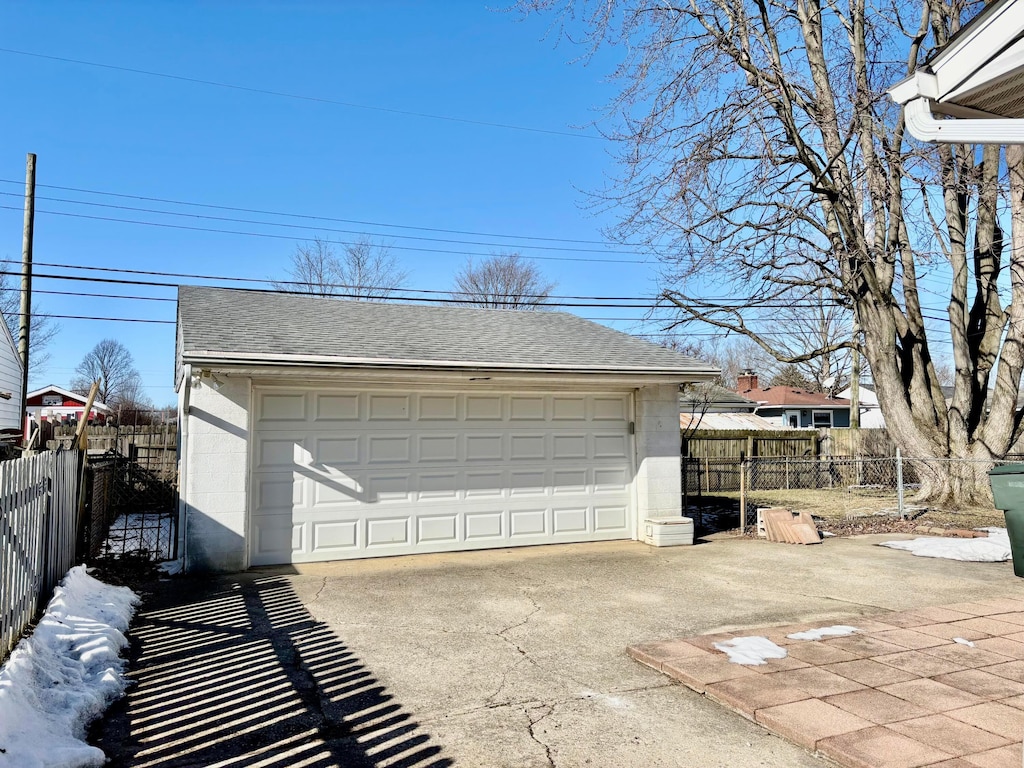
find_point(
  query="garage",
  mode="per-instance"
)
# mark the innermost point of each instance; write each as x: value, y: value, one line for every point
x: 342, y: 473
x: 320, y: 429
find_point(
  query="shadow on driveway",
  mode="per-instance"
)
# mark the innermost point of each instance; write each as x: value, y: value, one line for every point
x: 234, y: 671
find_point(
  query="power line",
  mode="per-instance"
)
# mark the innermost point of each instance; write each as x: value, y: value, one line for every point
x: 650, y: 301
x: 299, y: 97
x: 360, y: 222
x: 305, y: 228
x: 271, y: 236
x: 114, y: 319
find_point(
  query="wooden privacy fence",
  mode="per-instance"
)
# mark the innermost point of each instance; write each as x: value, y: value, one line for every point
x: 735, y: 444
x: 38, y: 535
x: 153, y: 447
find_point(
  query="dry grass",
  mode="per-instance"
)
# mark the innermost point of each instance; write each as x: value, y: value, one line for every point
x: 848, y: 510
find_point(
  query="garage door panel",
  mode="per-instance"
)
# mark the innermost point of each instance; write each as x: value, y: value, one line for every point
x: 610, y: 518
x: 389, y: 407
x: 610, y: 479
x: 569, y: 481
x: 335, y: 408
x: 384, y: 489
x: 437, y: 448
x: 610, y: 408
x: 568, y: 408
x: 340, y: 452
x: 528, y: 482
x: 528, y: 522
x: 438, y: 407
x: 485, y: 526
x: 393, y: 531
x: 527, y: 408
x: 485, y: 447
x: 484, y: 485
x: 389, y: 449
x: 569, y: 447
x: 334, y: 491
x: 438, y: 487
x: 336, y: 536
x: 435, y: 529
x: 374, y: 473
x: 280, y: 451
x: 282, y: 407
x: 275, y: 535
x: 529, y: 447
x: 484, y: 408
x: 607, y: 446
x: 278, y: 493
x: 570, y: 519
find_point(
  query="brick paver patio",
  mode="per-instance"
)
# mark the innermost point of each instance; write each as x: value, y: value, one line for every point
x: 900, y: 693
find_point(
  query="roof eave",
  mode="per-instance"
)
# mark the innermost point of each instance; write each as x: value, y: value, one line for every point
x: 201, y: 359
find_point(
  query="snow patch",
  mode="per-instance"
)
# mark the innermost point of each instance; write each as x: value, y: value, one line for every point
x: 963, y: 641
x: 995, y: 548
x: 836, y: 630
x: 64, y: 675
x: 751, y: 650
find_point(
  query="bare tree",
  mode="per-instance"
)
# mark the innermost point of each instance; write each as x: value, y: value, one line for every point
x: 759, y: 147
x: 502, y: 281
x: 110, y: 363
x: 42, y: 330
x: 362, y: 270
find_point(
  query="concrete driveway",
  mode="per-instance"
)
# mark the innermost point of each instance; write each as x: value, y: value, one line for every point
x: 498, y: 658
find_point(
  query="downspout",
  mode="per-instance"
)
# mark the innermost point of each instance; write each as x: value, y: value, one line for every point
x: 183, y: 419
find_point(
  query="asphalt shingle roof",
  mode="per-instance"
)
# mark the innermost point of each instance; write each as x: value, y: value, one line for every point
x: 263, y: 327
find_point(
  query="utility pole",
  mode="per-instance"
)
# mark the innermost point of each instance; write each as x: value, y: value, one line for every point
x: 26, y: 277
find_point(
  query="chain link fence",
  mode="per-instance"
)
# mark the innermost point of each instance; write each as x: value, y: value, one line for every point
x: 835, y: 487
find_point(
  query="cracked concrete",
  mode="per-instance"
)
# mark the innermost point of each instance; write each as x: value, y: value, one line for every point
x: 517, y: 657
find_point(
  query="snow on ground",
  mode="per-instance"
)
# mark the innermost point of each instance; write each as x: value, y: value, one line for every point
x: 751, y: 650
x: 995, y: 548
x: 64, y: 675
x: 836, y: 630
x: 141, y: 532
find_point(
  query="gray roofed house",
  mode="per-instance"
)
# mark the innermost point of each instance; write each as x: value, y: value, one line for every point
x: 320, y: 429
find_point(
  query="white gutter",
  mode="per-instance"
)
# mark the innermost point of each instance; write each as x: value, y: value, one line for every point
x: 234, y: 358
x: 924, y: 126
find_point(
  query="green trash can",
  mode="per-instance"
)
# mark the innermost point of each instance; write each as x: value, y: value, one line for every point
x: 1008, y: 494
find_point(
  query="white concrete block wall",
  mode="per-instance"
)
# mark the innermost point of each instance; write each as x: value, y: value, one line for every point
x: 658, y: 482
x: 216, y: 492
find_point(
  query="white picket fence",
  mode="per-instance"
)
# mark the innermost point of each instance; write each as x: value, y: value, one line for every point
x: 38, y: 532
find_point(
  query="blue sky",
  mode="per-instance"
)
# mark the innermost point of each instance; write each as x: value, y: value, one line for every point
x: 113, y: 131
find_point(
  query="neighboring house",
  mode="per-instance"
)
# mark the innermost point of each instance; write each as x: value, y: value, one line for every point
x: 870, y: 411
x: 792, y: 407
x: 53, y: 403
x: 321, y: 429
x: 11, y: 376
x: 713, y: 407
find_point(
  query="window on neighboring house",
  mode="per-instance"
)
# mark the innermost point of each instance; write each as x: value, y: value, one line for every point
x: 823, y: 418
x: 791, y: 420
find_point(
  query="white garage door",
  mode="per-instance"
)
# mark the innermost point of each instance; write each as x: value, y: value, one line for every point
x: 344, y: 474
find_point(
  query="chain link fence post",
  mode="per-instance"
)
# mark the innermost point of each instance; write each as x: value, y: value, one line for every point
x: 899, y: 485
x: 743, y: 496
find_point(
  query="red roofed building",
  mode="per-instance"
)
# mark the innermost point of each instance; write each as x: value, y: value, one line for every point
x: 53, y: 403
x: 794, y: 407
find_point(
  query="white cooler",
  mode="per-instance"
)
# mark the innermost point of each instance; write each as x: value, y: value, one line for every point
x: 668, y: 531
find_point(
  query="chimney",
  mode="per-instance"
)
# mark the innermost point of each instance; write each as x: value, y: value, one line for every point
x: 746, y: 380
